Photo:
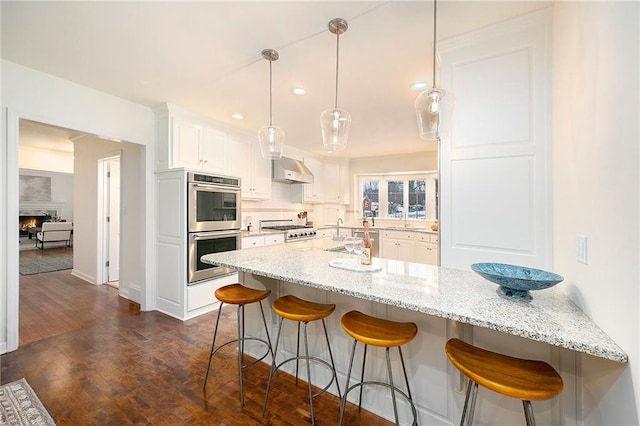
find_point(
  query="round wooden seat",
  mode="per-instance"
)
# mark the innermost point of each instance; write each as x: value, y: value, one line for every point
x: 295, y: 309
x: 237, y: 294
x: 377, y: 331
x: 514, y: 377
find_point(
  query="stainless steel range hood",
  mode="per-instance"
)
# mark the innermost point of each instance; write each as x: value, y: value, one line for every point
x: 291, y: 171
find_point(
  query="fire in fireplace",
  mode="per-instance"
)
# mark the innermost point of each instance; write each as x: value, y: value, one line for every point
x: 31, y: 221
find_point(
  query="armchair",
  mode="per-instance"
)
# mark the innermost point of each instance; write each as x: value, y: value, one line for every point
x: 54, y: 232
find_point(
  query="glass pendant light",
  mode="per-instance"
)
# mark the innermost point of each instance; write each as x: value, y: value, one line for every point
x: 429, y: 104
x: 271, y: 138
x: 336, y: 122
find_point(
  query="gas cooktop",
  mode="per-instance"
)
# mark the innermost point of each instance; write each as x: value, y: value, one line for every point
x: 293, y: 232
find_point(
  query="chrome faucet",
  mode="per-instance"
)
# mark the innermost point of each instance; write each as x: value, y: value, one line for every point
x: 338, y: 228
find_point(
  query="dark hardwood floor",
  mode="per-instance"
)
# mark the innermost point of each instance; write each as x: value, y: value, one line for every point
x: 94, y: 359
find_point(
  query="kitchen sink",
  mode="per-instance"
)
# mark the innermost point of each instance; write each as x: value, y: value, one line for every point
x: 339, y: 249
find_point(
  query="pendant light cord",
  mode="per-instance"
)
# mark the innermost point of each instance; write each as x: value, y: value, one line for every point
x: 270, y: 94
x: 435, y: 8
x: 337, y: 62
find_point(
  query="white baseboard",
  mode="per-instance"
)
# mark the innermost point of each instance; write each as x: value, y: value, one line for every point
x: 83, y: 276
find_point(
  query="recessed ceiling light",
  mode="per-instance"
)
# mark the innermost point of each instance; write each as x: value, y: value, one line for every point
x: 419, y: 86
x: 298, y: 91
x: 237, y: 116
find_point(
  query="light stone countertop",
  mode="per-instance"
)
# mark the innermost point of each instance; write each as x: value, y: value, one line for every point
x: 463, y: 296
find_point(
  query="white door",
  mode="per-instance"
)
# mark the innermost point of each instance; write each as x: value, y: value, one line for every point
x: 495, y: 163
x: 113, y: 206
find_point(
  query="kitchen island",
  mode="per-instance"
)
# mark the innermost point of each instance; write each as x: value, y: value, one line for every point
x: 444, y: 303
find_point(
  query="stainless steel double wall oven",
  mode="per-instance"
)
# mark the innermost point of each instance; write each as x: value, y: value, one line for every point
x: 214, y: 221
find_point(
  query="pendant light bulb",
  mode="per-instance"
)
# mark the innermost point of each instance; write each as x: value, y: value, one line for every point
x: 335, y: 122
x: 431, y: 104
x: 271, y: 138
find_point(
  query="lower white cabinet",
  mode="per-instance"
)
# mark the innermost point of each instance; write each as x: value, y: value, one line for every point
x: 262, y: 240
x: 173, y: 295
x: 409, y: 246
x: 201, y: 296
x: 397, y: 245
x: 426, y: 249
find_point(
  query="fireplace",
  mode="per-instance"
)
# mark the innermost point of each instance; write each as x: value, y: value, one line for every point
x: 32, y: 214
x: 29, y: 221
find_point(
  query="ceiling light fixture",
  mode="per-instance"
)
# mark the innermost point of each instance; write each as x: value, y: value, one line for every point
x: 429, y: 104
x: 271, y: 138
x: 419, y: 86
x: 336, y: 122
x: 298, y: 91
x: 237, y: 116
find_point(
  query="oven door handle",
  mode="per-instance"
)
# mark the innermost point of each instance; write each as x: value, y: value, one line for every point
x: 213, y: 187
x: 196, y: 236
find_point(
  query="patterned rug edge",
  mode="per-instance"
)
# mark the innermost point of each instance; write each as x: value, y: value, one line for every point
x: 19, y: 405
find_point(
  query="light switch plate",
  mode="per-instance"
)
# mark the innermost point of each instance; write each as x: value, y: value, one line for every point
x: 581, y: 248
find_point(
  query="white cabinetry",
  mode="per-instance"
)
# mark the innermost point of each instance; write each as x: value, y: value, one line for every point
x: 426, y: 249
x: 336, y: 181
x: 310, y: 192
x: 186, y: 140
x: 326, y: 233
x: 410, y: 246
x: 254, y: 170
x: 397, y: 245
x: 173, y: 296
x: 262, y: 240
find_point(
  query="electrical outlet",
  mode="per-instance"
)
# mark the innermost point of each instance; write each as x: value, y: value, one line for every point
x: 581, y: 248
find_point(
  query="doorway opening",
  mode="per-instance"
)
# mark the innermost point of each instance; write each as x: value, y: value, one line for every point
x: 109, y: 218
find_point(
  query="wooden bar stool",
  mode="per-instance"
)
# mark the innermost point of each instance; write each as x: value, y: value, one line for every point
x: 302, y: 311
x: 237, y: 294
x: 382, y: 333
x: 523, y: 379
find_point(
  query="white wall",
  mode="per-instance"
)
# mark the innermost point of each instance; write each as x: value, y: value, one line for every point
x: 596, y: 189
x: 61, y: 191
x: 36, y: 96
x: 43, y: 159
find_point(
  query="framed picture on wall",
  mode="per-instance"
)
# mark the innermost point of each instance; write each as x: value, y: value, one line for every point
x: 35, y: 188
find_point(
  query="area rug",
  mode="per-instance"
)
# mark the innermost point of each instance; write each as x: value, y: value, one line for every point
x: 46, y: 264
x: 19, y: 405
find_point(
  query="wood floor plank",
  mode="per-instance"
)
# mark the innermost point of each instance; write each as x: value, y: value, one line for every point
x: 106, y: 363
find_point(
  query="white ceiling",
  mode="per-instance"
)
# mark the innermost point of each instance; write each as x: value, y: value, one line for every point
x: 205, y: 57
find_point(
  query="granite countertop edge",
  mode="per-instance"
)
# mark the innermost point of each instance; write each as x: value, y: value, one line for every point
x: 476, y: 304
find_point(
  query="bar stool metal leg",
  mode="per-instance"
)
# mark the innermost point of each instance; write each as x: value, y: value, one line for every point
x: 240, y: 315
x: 306, y: 353
x: 470, y: 403
x: 343, y: 402
x: 333, y: 364
x: 213, y: 345
x: 274, y: 364
x: 392, y: 387
x: 528, y: 413
x: 364, y: 361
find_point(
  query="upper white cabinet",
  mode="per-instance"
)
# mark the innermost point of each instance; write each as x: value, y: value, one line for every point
x: 336, y: 181
x: 254, y: 170
x: 310, y: 192
x: 200, y: 148
x: 185, y: 140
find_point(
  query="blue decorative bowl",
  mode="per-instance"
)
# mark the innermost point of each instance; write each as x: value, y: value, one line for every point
x: 516, y: 281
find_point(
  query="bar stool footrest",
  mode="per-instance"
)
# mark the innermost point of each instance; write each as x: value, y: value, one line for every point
x: 311, y: 358
x: 255, y: 339
x: 386, y: 385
